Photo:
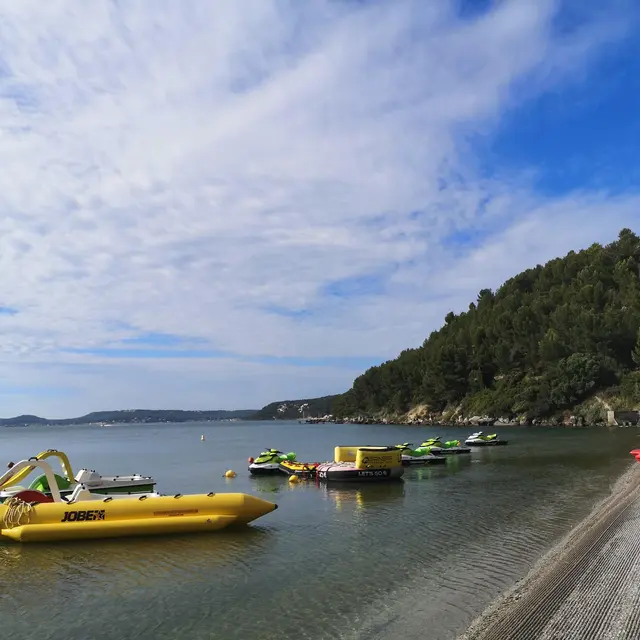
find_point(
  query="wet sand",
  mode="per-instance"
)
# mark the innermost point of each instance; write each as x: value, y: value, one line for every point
x: 587, y: 587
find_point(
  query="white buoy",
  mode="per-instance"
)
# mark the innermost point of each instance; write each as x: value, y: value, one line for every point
x: 202, y: 437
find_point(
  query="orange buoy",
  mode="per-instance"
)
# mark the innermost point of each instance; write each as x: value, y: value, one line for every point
x: 250, y: 460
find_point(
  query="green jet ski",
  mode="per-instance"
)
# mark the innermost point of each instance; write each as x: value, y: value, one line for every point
x: 479, y: 439
x: 420, y: 455
x: 449, y: 447
x: 268, y: 462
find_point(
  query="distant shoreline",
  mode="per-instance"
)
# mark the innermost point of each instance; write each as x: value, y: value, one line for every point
x: 133, y: 416
x: 465, y: 424
x: 116, y: 423
x: 71, y: 422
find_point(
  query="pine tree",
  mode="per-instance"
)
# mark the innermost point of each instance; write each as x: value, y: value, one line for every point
x: 635, y: 354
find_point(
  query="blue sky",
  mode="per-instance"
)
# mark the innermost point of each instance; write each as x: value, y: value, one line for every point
x: 206, y: 205
x: 584, y: 137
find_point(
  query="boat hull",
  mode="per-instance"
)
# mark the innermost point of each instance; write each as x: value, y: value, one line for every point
x: 114, y: 490
x: 485, y: 443
x: 348, y: 472
x: 268, y: 469
x: 124, y: 517
x: 451, y: 451
x: 130, y: 489
x: 410, y: 461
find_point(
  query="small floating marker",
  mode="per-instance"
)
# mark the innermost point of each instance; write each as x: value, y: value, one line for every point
x: 202, y: 437
x: 230, y: 474
x: 294, y: 479
x: 250, y: 460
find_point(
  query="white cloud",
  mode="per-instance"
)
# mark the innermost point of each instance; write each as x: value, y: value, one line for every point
x: 186, y: 167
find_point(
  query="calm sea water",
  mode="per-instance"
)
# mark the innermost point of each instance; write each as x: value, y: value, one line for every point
x: 416, y: 559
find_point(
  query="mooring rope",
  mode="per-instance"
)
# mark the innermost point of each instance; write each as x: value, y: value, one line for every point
x: 17, y: 509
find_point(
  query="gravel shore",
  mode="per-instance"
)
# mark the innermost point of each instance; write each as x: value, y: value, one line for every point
x: 587, y: 587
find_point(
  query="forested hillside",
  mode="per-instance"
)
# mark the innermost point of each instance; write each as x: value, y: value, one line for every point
x: 546, y: 340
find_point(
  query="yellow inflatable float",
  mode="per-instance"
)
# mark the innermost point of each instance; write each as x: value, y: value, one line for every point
x: 32, y: 516
x: 362, y: 464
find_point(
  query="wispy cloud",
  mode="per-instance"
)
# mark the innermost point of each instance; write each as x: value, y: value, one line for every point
x: 152, y: 339
x: 356, y: 286
x: 152, y: 353
x: 279, y: 183
x: 351, y: 363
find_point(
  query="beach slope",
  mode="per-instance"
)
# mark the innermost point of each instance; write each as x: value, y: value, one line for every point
x: 587, y: 587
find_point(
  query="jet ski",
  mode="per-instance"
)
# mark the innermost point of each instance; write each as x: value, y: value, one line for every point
x: 479, y: 439
x: 420, y: 455
x: 268, y: 462
x: 448, y: 447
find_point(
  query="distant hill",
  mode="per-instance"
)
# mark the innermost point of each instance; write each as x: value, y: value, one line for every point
x: 24, y: 419
x: 134, y: 416
x: 296, y: 409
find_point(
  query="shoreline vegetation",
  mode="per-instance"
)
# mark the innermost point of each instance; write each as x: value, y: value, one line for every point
x: 585, y: 586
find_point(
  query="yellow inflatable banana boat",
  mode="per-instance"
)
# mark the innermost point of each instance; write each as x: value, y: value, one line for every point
x: 32, y: 516
x: 112, y: 518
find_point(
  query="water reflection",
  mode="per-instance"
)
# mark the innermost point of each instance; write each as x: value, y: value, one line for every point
x: 122, y: 571
x: 458, y: 462
x: 269, y: 484
x: 132, y: 562
x: 455, y: 464
x: 363, y: 496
